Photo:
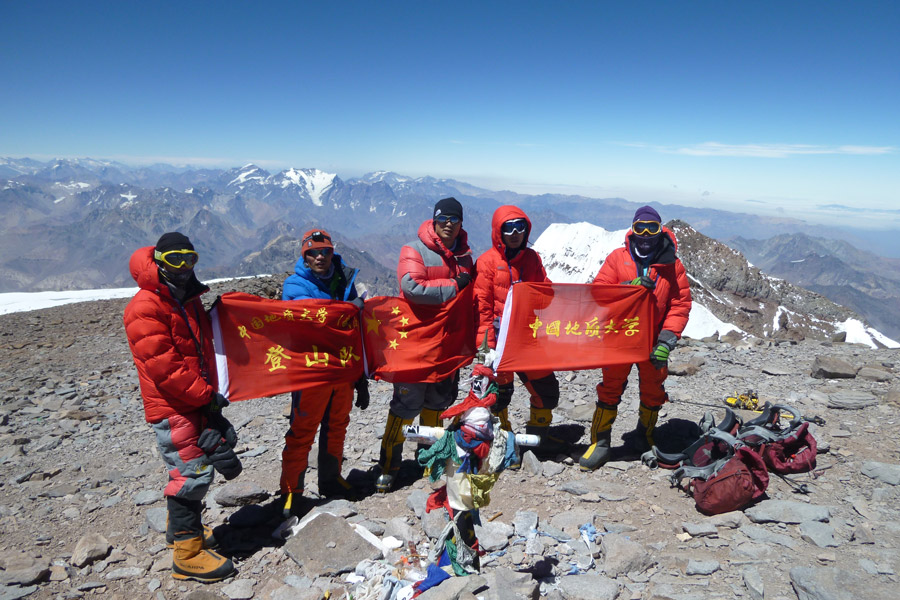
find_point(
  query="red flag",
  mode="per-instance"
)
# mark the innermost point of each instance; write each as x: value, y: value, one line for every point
x: 267, y: 347
x: 569, y: 326
x: 408, y: 342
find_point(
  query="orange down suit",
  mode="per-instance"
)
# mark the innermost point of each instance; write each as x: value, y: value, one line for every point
x: 671, y: 307
x: 496, y: 274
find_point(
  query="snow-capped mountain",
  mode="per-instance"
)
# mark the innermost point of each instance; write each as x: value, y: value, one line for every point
x: 729, y: 293
x: 72, y: 224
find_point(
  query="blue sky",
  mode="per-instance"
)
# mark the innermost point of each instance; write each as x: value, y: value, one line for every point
x: 769, y: 107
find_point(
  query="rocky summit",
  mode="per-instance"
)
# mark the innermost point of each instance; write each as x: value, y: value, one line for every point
x: 82, y: 511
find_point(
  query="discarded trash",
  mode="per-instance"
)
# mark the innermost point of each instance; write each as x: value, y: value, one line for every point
x: 288, y: 528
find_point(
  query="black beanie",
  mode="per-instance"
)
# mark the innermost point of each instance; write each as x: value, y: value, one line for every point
x: 173, y: 241
x: 449, y: 207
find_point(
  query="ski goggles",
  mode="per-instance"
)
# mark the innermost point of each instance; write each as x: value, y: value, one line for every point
x: 177, y: 258
x: 316, y: 252
x: 514, y: 226
x: 646, y: 228
x: 444, y: 219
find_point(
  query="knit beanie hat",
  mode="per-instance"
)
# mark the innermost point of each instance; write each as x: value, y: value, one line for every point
x: 449, y: 207
x: 646, y: 213
x: 173, y: 241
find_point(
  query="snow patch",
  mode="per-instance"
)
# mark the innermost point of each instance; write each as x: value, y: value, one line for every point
x: 859, y: 333
x: 702, y: 323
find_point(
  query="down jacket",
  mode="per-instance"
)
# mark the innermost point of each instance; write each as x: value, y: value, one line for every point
x: 672, y: 291
x: 496, y: 273
x: 172, y: 343
x: 426, y: 268
x: 305, y: 284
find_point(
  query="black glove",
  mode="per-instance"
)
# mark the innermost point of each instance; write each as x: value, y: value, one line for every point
x: 217, y: 402
x: 462, y: 280
x: 218, y: 422
x: 362, y: 393
x: 659, y: 356
x: 357, y: 302
x: 644, y: 280
x: 221, y: 455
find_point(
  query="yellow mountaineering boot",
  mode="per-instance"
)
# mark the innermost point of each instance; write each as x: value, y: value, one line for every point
x: 391, y: 452
x: 647, y: 418
x: 539, y: 424
x: 598, y: 452
x: 428, y: 418
x: 209, y: 540
x: 503, y: 415
x: 192, y: 561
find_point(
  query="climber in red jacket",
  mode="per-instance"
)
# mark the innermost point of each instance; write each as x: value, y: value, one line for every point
x: 647, y: 259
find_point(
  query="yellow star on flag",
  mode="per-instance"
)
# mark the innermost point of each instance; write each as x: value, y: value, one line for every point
x: 395, y: 310
x: 403, y: 334
x: 393, y: 344
x: 372, y: 324
x: 404, y: 321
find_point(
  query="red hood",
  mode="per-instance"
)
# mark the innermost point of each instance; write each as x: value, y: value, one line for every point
x: 144, y: 270
x: 503, y: 214
x: 431, y: 240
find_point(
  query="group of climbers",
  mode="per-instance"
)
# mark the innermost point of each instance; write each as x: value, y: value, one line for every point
x: 170, y: 336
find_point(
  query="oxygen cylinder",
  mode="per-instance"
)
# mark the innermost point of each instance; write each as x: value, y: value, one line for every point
x: 422, y: 434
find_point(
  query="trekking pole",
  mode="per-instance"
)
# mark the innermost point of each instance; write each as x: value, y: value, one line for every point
x: 797, y: 487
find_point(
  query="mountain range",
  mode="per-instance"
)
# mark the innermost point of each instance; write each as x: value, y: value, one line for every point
x: 72, y: 224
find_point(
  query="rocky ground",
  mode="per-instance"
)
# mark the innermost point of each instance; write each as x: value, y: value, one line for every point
x: 81, y: 508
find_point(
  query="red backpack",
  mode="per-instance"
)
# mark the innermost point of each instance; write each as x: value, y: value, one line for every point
x: 785, y: 450
x: 730, y: 477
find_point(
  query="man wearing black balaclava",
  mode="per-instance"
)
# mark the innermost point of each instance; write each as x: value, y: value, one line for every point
x: 648, y: 259
x: 170, y: 336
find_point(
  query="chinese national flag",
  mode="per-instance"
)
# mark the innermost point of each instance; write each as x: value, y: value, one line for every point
x: 569, y: 327
x: 266, y: 347
x: 412, y: 343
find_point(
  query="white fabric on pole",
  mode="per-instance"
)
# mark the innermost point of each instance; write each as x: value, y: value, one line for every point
x: 219, y: 345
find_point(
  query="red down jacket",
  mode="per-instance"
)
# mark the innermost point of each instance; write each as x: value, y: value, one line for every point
x: 672, y: 292
x: 426, y: 267
x: 496, y: 274
x: 171, y: 343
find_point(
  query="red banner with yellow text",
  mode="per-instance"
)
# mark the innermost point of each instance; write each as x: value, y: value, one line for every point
x: 267, y: 347
x: 570, y: 327
x: 412, y: 343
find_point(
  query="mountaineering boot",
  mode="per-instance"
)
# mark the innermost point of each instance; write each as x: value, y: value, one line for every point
x: 640, y: 439
x: 598, y: 452
x: 192, y: 561
x: 391, y: 452
x: 539, y: 424
x: 428, y: 418
x: 503, y: 415
x: 209, y: 540
x: 331, y: 484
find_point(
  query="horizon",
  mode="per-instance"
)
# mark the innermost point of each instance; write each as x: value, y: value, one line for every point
x: 774, y: 109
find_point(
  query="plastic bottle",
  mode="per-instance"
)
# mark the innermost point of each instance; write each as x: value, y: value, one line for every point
x: 422, y: 434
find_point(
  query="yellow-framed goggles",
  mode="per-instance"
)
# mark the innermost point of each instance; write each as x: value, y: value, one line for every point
x: 646, y: 228
x: 177, y: 258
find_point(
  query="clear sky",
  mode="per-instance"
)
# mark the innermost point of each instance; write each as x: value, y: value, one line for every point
x: 759, y: 106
